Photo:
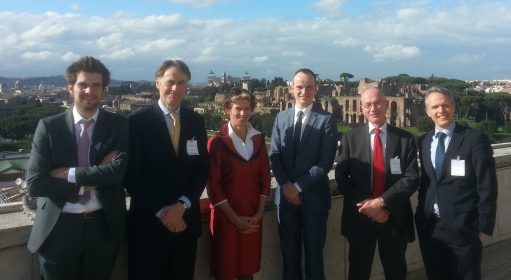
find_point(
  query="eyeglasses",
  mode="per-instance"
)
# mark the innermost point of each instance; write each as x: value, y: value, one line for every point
x: 368, y: 106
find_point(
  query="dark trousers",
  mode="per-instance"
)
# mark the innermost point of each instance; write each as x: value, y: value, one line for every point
x: 297, y: 225
x: 78, y: 248
x: 391, y: 248
x: 161, y: 255
x: 444, y: 259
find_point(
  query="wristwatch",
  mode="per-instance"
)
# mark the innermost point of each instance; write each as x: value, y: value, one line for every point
x: 185, y: 206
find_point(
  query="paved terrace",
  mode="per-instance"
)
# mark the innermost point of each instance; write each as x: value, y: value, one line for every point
x: 17, y: 263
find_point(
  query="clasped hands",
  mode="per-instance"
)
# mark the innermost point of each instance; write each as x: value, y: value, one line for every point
x: 374, y: 209
x: 172, y: 217
x: 291, y: 193
x: 246, y: 224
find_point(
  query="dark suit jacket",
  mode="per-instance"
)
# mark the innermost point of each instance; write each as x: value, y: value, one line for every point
x: 314, y: 160
x: 467, y: 203
x: 353, y: 175
x: 54, y: 145
x: 156, y: 176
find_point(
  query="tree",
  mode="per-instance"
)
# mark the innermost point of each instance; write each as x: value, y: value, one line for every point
x: 344, y: 77
x: 500, y: 102
x: 207, y: 94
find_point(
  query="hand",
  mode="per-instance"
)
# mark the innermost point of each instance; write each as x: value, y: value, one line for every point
x: 256, y: 219
x: 244, y: 225
x: 88, y: 188
x: 382, y: 216
x: 481, y: 236
x: 291, y: 193
x: 60, y: 173
x: 370, y: 207
x: 172, y: 217
x: 109, y: 158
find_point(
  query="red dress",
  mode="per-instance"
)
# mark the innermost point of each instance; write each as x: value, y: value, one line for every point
x: 242, y: 183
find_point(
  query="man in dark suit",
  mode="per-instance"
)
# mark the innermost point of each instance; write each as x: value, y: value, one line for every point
x: 167, y: 174
x: 301, y: 155
x: 377, y: 172
x: 457, y: 194
x: 76, y: 168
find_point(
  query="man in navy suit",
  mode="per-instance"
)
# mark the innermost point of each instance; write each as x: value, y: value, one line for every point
x: 457, y: 194
x: 370, y: 215
x: 167, y: 174
x: 76, y: 168
x: 301, y: 155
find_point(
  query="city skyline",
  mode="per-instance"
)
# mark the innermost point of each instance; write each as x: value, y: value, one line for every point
x: 459, y: 39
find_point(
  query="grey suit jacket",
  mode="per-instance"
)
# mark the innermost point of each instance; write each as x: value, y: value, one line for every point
x: 353, y: 175
x: 467, y: 203
x: 54, y: 145
x: 314, y: 160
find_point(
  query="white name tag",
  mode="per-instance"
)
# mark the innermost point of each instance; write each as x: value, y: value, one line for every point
x: 191, y: 147
x: 457, y: 167
x: 395, y: 166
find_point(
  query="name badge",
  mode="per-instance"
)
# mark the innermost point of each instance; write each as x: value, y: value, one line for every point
x: 457, y: 167
x: 191, y: 147
x: 395, y: 166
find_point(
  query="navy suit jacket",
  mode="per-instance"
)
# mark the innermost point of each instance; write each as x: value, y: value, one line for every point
x: 353, y: 176
x: 467, y: 204
x: 157, y: 176
x: 54, y: 145
x: 314, y: 160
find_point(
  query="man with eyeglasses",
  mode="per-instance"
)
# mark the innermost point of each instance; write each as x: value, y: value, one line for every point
x: 377, y: 173
x: 167, y: 174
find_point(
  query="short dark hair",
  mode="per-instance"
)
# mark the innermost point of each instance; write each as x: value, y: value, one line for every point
x: 87, y: 64
x: 440, y: 90
x: 306, y: 71
x: 180, y: 65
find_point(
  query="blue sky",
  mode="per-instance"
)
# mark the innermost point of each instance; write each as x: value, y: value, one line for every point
x: 454, y: 39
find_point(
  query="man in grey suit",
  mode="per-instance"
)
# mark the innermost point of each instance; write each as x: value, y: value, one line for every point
x: 301, y: 155
x: 377, y: 173
x: 76, y: 167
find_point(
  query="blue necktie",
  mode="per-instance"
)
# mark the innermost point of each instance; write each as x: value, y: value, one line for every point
x: 440, y: 154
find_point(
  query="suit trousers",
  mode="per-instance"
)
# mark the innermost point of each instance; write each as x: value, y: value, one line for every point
x: 78, y: 248
x: 162, y: 255
x: 391, y: 248
x: 297, y: 224
x: 445, y: 260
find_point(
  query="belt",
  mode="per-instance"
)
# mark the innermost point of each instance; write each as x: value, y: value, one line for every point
x: 85, y: 215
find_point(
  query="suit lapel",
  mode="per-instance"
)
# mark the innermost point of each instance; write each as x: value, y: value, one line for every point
x: 454, y: 144
x: 98, y: 136
x: 426, y: 154
x: 157, y: 123
x: 308, y: 127
x: 390, y: 149
x: 288, y: 125
x: 68, y: 132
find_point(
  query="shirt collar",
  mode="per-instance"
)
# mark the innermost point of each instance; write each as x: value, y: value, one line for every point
x: 77, y: 117
x: 166, y: 110
x: 383, y: 128
x: 305, y: 110
x: 251, y: 131
x: 448, y: 130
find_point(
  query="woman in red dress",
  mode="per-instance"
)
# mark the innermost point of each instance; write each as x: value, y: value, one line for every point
x: 239, y: 183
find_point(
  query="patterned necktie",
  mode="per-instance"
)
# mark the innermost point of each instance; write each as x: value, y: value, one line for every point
x: 175, y: 131
x: 440, y: 154
x: 297, y: 134
x: 378, y: 165
x: 83, y: 153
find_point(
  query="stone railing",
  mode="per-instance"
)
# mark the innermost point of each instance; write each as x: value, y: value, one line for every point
x: 17, y: 263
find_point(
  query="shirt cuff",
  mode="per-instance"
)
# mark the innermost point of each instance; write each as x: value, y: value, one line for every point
x: 298, y: 187
x: 215, y: 205
x: 186, y: 201
x: 71, y: 175
x: 158, y: 214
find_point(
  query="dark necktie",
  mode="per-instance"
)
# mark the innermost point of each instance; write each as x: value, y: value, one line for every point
x: 440, y: 154
x: 378, y: 165
x: 83, y: 153
x: 297, y: 134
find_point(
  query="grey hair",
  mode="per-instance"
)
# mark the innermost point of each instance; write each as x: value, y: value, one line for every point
x: 441, y: 90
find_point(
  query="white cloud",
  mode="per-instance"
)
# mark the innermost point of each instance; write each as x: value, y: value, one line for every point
x: 70, y: 56
x: 196, y: 3
x: 37, y: 55
x: 349, y: 42
x: 260, y: 59
x: 392, y: 52
x: 293, y: 53
x: 467, y: 58
x: 75, y: 7
x: 329, y: 7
